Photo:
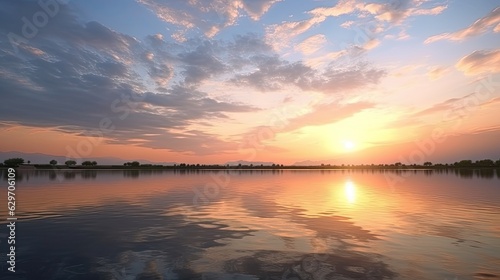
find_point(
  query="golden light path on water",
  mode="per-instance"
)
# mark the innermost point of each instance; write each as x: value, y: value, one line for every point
x: 350, y: 191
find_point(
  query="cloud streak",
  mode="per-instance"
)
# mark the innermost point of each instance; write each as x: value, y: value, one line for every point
x: 480, y: 26
x: 380, y: 16
x: 210, y: 16
x: 480, y: 62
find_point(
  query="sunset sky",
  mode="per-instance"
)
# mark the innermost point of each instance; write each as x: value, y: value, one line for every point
x: 211, y: 81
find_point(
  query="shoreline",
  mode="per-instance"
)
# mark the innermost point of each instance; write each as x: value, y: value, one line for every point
x: 242, y: 168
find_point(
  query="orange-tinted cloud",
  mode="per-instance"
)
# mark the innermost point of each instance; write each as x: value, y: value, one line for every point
x: 480, y: 26
x: 279, y: 35
x: 311, y: 44
x: 480, y: 62
x: 394, y: 12
x: 436, y: 72
x: 191, y: 14
x: 326, y: 114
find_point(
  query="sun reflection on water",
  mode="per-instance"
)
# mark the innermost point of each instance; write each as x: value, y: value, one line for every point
x: 350, y: 191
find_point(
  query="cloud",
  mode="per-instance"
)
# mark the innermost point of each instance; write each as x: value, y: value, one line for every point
x: 347, y: 24
x: 311, y: 44
x: 371, y: 44
x: 74, y: 75
x: 447, y: 105
x: 210, y: 16
x: 326, y: 114
x: 445, y: 111
x: 319, y: 61
x: 394, y: 12
x: 318, y: 115
x: 397, y: 12
x: 341, y: 8
x: 480, y: 62
x: 201, y: 63
x: 380, y: 16
x: 480, y: 26
x: 273, y: 74
x: 335, y: 80
x: 436, y: 72
x: 257, y: 8
x: 432, y: 11
x: 279, y: 35
x: 491, y: 102
x: 198, y: 60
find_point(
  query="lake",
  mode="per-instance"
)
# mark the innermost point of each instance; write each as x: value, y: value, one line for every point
x: 281, y: 224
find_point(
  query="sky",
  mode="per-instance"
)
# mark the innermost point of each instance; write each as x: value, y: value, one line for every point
x: 283, y: 81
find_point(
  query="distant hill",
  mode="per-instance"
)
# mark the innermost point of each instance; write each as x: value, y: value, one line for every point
x: 311, y: 163
x: 244, y: 162
x: 38, y: 158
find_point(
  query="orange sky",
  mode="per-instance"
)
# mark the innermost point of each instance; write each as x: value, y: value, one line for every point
x: 346, y: 82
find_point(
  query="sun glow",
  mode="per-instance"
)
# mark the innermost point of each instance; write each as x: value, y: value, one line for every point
x: 349, y: 145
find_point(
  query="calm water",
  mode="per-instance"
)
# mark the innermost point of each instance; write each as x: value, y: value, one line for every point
x: 256, y: 225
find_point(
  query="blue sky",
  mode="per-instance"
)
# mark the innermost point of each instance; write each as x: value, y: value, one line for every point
x: 219, y: 80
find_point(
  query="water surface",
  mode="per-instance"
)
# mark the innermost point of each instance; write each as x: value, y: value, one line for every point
x: 295, y: 224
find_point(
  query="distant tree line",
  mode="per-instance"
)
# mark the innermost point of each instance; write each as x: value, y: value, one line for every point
x: 485, y: 163
x: 15, y: 162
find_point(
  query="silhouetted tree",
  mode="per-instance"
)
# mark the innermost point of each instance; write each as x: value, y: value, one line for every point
x: 485, y: 163
x: 464, y: 163
x: 13, y: 161
x: 427, y: 163
x: 135, y: 164
x: 70, y: 162
x: 94, y: 163
x: 87, y: 163
x: 53, y: 162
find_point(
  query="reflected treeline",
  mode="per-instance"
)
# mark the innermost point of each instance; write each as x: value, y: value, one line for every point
x: 68, y: 175
x: 487, y: 173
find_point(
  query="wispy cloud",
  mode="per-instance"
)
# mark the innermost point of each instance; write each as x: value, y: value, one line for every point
x: 436, y: 72
x: 394, y: 12
x: 311, y: 44
x: 273, y: 74
x: 194, y: 13
x: 383, y: 15
x: 480, y: 26
x: 329, y: 113
x: 480, y: 62
x: 447, y: 110
x: 279, y: 35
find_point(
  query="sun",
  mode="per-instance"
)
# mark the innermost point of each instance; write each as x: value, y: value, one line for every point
x: 349, y: 145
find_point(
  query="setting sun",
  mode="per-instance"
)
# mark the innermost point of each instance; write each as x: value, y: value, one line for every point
x: 250, y: 139
x: 349, y: 145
